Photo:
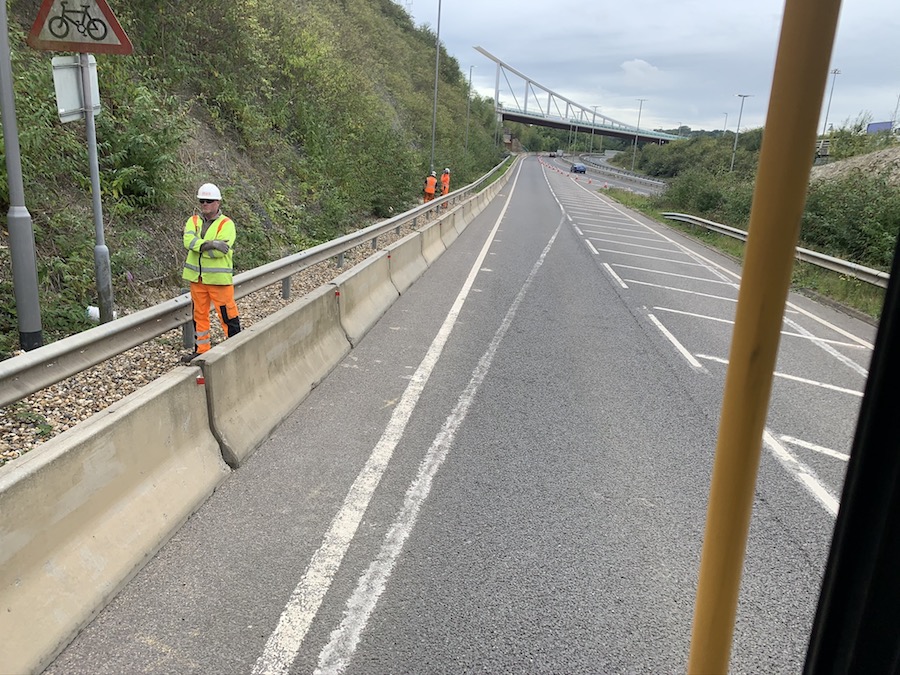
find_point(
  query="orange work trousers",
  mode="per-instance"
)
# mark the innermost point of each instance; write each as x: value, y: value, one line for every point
x: 429, y: 196
x: 222, y: 298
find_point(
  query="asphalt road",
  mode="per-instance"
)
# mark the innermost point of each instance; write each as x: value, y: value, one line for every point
x: 510, y: 473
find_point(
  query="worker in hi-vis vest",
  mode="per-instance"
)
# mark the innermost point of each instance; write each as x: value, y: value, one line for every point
x: 209, y: 240
x: 430, y: 185
x: 445, y: 182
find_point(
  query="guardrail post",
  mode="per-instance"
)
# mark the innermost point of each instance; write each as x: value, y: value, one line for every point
x: 286, y: 288
x: 340, y: 260
x: 374, y: 243
x: 187, y: 329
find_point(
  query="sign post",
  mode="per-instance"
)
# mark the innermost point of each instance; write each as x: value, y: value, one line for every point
x: 91, y: 29
x: 21, y: 231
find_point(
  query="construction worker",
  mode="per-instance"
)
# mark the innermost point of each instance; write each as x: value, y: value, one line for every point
x: 430, y: 185
x: 445, y: 184
x: 209, y: 240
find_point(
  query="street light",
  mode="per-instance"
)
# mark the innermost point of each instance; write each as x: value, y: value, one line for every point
x: 834, y: 74
x: 634, y: 154
x: 593, y: 124
x: 468, y: 104
x: 738, y: 129
x: 437, y: 61
x: 725, y: 128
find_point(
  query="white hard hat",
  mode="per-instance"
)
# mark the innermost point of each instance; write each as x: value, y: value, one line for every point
x: 433, y: 173
x: 446, y: 170
x: 209, y: 191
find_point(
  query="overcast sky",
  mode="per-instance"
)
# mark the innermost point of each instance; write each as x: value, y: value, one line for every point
x: 688, y: 59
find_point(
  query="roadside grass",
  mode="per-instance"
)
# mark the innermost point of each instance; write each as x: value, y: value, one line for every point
x: 841, y: 290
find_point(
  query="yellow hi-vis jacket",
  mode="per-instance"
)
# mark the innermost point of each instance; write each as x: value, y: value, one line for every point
x: 212, y: 266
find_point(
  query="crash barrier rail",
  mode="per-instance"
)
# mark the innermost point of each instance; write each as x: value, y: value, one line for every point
x: 32, y: 371
x: 87, y: 509
x: 850, y: 269
x: 631, y: 175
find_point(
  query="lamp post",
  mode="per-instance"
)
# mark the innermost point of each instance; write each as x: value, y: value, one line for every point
x: 437, y: 61
x: 737, y: 129
x: 834, y: 73
x: 634, y: 154
x: 725, y: 128
x: 593, y: 124
x: 468, y: 104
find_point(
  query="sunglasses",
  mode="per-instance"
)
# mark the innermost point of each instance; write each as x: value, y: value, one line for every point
x: 208, y: 201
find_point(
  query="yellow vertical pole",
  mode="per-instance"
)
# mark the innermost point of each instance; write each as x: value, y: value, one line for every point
x: 798, y: 86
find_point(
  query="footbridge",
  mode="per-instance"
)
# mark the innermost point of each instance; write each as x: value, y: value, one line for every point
x: 561, y: 112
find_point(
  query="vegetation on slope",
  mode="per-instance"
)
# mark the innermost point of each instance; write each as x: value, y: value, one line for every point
x: 312, y: 117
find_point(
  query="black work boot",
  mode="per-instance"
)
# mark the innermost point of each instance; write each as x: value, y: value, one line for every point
x: 187, y: 358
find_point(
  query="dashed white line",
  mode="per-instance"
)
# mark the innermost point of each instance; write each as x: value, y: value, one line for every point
x: 790, y: 440
x: 613, y: 274
x: 802, y: 473
x: 795, y: 378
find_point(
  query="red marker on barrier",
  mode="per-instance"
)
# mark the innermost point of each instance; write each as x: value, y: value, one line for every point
x: 201, y: 379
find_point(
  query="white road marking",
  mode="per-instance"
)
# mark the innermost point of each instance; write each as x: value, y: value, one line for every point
x: 681, y: 290
x: 790, y: 440
x: 580, y: 233
x: 684, y: 352
x: 588, y: 242
x: 649, y: 248
x: 284, y: 643
x: 795, y: 378
x: 336, y: 655
x: 805, y: 335
x: 614, y: 275
x: 806, y: 476
x: 674, y: 274
x: 651, y: 257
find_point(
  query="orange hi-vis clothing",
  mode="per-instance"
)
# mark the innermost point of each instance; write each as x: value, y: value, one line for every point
x: 430, y: 185
x: 445, y: 183
x: 210, y: 273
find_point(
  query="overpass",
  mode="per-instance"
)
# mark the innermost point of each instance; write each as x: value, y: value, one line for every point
x: 561, y: 112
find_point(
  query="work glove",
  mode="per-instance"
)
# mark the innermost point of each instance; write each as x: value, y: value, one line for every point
x: 205, y: 246
x: 220, y: 246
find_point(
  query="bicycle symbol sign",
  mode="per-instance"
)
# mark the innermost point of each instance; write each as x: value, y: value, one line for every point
x: 86, y: 26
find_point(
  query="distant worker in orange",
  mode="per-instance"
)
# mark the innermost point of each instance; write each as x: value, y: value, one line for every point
x: 430, y: 185
x: 445, y: 185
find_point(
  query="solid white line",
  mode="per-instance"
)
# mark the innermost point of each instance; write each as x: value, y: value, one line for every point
x: 681, y: 290
x: 591, y: 246
x: 805, y: 335
x: 795, y: 378
x: 684, y: 352
x: 284, y: 643
x: 802, y: 473
x: 336, y: 655
x: 651, y: 257
x: 675, y: 274
x: 816, y: 448
x: 623, y: 243
x: 846, y: 360
x: 614, y: 275
x: 580, y: 233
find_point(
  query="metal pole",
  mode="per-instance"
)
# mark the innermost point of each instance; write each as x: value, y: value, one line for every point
x: 101, y: 252
x: 725, y: 128
x: 636, y: 131
x: 801, y: 71
x: 834, y: 74
x: 437, y: 62
x: 468, y: 105
x: 593, y: 124
x: 21, y: 232
x: 737, y: 129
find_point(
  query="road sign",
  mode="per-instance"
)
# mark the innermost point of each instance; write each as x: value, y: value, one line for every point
x: 86, y: 26
x: 70, y: 89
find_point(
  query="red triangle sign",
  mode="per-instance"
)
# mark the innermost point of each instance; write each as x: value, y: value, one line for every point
x: 86, y: 26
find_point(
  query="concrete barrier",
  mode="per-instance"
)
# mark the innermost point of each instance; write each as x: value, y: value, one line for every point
x: 406, y: 261
x: 432, y: 244
x: 449, y: 233
x: 364, y: 294
x: 256, y: 379
x: 83, y: 512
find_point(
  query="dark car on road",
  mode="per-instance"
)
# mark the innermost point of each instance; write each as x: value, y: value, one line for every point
x: 578, y: 168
